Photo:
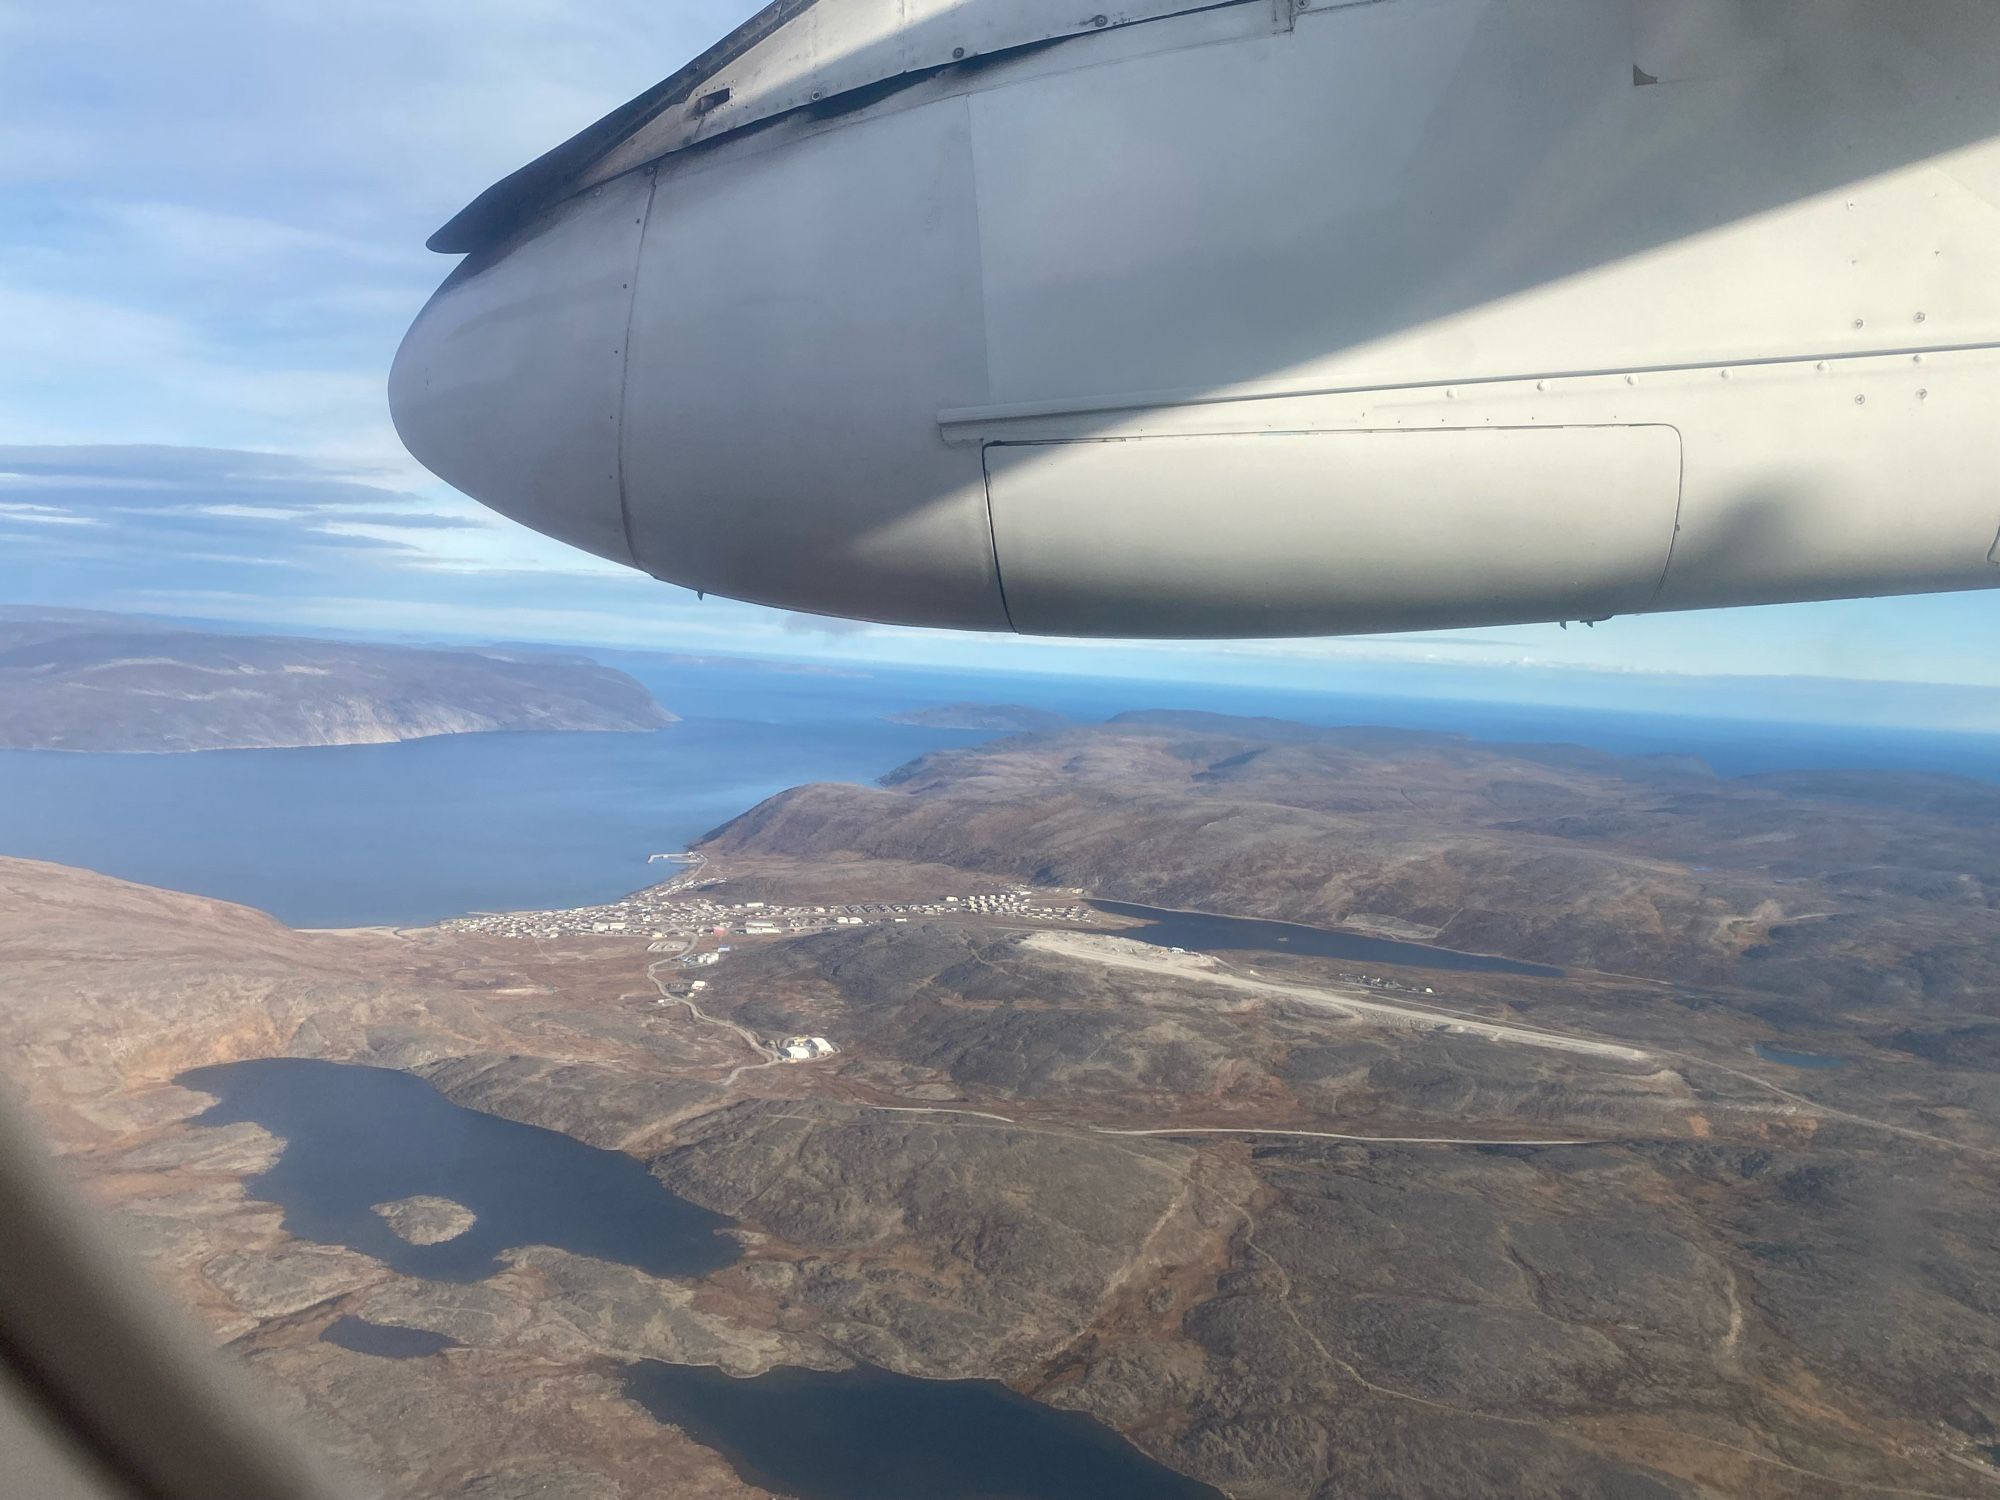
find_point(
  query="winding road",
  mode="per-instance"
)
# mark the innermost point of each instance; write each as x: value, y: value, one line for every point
x: 757, y: 1044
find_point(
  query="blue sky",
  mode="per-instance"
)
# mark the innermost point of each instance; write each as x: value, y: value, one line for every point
x: 211, y: 239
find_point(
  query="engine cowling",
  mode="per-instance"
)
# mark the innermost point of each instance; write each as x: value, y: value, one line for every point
x: 1254, y: 320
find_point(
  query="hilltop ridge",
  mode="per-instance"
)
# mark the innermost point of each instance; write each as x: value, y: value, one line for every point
x: 1831, y: 888
x: 73, y: 680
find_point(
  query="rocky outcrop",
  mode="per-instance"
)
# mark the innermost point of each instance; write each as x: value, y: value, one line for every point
x: 426, y: 1220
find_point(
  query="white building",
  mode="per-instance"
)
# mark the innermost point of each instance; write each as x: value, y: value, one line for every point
x: 805, y: 1048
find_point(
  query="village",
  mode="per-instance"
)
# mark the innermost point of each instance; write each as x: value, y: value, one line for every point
x: 682, y: 919
x: 674, y: 916
x: 688, y: 926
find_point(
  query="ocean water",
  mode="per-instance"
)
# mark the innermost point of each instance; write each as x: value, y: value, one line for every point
x: 355, y: 835
x: 411, y: 833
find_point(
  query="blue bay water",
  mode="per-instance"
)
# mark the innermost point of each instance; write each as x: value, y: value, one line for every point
x: 414, y: 832
x: 411, y: 833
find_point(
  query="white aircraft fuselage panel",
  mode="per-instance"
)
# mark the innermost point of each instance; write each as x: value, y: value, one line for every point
x: 1680, y: 303
x: 1176, y: 522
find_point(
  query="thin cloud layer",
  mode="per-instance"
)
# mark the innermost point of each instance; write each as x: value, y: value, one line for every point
x: 211, y: 241
x: 282, y: 539
x: 83, y: 523
x: 150, y: 491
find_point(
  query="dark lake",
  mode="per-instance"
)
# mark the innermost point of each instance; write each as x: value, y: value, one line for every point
x: 355, y: 1137
x: 871, y: 1435
x: 384, y: 1339
x: 1203, y: 933
x: 1786, y: 1057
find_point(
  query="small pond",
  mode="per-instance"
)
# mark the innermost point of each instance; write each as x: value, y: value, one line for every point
x: 384, y: 1339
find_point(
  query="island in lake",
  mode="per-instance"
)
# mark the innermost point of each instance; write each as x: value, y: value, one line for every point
x: 1529, y: 1199
x: 81, y: 680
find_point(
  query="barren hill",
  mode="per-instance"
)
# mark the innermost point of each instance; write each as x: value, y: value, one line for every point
x: 107, y: 682
x: 1831, y: 888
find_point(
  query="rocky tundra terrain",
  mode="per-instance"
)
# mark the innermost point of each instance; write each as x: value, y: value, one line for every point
x: 1293, y: 1233
x: 1831, y: 889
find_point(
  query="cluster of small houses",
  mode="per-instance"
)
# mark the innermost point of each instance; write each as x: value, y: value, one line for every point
x: 665, y: 911
x: 758, y: 919
x: 1374, y: 982
x: 673, y: 917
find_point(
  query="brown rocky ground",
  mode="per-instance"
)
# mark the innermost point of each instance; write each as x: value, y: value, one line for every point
x: 1695, y: 1273
x: 1835, y: 892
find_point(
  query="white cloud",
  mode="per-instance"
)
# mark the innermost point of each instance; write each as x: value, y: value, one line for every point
x: 825, y: 626
x: 40, y: 330
x: 225, y: 242
x: 44, y: 515
x: 212, y: 224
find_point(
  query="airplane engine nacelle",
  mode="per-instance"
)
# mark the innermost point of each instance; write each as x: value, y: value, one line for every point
x: 1267, y: 318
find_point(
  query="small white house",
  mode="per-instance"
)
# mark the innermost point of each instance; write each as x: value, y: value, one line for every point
x: 805, y: 1048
